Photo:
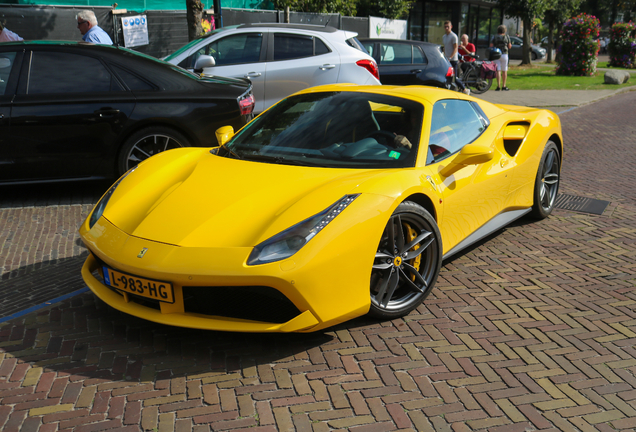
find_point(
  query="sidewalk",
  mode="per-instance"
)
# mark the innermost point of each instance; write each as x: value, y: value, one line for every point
x: 558, y: 100
x: 564, y: 99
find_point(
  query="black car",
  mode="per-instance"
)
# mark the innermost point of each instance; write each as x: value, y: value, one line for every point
x: 407, y: 62
x: 79, y: 111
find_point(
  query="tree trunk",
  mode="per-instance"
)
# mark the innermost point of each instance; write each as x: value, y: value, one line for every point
x: 557, y: 41
x: 527, y: 31
x: 550, y: 40
x: 194, y: 14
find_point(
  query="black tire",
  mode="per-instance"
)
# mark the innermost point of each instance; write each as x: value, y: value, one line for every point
x: 477, y: 84
x: 534, y: 55
x: 148, y: 142
x: 403, y: 275
x: 546, y: 186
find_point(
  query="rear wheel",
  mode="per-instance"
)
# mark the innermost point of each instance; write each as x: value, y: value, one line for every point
x: 407, y: 262
x: 534, y: 55
x: 477, y: 84
x: 546, y: 185
x: 148, y: 142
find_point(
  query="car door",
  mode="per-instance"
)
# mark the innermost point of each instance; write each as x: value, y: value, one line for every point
x: 400, y: 63
x: 10, y: 61
x: 297, y: 61
x: 239, y: 55
x: 66, y: 118
x: 475, y: 193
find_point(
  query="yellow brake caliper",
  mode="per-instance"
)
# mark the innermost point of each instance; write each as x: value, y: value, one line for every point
x: 415, y: 262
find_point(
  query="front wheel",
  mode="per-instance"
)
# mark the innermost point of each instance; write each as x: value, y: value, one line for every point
x: 546, y: 184
x: 477, y: 84
x: 407, y: 262
x: 148, y: 142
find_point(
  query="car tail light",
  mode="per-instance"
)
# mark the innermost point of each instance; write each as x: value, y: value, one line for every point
x: 371, y: 66
x: 246, y: 105
x: 450, y: 72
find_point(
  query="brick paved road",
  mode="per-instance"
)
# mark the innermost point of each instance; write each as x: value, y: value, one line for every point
x: 532, y: 329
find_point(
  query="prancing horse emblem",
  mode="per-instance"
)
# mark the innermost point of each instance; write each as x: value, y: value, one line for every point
x: 142, y: 253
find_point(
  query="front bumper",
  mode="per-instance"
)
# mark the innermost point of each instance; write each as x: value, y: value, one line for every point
x: 324, y: 284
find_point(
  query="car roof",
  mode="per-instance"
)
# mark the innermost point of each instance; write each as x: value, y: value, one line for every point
x: 312, y: 27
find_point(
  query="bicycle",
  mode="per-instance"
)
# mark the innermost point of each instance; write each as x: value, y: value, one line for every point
x: 471, y: 77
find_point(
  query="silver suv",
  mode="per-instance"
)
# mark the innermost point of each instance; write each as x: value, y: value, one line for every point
x: 280, y: 59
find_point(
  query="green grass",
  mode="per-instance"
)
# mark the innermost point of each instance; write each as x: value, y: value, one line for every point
x: 606, y: 66
x: 544, y: 78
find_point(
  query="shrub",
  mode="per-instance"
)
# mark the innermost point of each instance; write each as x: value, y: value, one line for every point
x: 578, y: 48
x: 622, y: 46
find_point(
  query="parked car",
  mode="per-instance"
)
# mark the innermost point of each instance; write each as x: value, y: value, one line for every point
x: 407, y: 62
x: 280, y: 59
x: 516, y: 52
x: 76, y: 110
x: 343, y: 201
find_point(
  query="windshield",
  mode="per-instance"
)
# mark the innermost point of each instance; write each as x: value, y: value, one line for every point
x: 335, y: 130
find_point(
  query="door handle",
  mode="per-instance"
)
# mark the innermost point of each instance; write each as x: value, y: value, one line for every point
x: 415, y: 71
x: 106, y: 112
x: 503, y: 162
x: 327, y: 66
x: 253, y: 74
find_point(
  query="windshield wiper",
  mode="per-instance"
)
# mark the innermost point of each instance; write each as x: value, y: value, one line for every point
x: 278, y: 160
x: 231, y: 152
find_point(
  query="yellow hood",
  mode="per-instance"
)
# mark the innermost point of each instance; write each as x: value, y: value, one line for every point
x: 189, y: 197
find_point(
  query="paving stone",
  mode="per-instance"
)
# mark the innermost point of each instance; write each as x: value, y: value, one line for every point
x: 532, y: 327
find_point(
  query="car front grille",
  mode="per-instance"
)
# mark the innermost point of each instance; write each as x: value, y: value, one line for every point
x: 256, y: 303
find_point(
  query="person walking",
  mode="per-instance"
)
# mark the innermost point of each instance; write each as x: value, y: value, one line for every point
x: 502, y: 41
x: 450, y: 51
x: 91, y: 32
x: 7, y: 35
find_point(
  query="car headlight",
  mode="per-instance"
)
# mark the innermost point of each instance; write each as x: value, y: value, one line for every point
x: 288, y: 242
x: 101, y: 205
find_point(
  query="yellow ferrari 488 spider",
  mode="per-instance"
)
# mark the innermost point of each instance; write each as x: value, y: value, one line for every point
x: 338, y: 201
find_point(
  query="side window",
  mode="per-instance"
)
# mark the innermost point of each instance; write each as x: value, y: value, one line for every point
x: 454, y: 124
x: 6, y: 64
x: 287, y: 46
x: 395, y: 54
x: 235, y: 49
x: 320, y: 47
x: 59, y: 72
x: 133, y: 82
x: 369, y: 48
x: 418, y: 56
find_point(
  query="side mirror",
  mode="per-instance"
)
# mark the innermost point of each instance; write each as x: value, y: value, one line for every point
x: 471, y: 154
x: 223, y: 134
x: 204, y: 61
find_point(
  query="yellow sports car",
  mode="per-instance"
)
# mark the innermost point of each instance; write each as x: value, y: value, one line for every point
x: 338, y: 201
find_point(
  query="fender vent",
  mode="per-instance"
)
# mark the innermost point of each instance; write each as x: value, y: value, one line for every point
x: 580, y: 204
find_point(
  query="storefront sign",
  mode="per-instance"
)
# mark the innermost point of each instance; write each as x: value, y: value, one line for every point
x: 386, y: 28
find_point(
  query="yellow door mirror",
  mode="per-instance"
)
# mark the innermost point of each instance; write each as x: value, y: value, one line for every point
x: 223, y: 134
x: 470, y: 154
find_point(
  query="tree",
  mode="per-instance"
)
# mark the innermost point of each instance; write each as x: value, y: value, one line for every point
x: 194, y: 14
x: 391, y: 9
x: 556, y: 16
x: 527, y: 10
x: 343, y: 7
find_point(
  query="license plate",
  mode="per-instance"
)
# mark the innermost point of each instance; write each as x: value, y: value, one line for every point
x: 153, y: 289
